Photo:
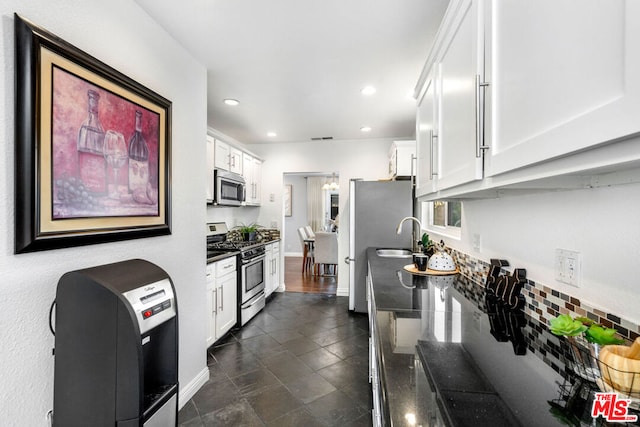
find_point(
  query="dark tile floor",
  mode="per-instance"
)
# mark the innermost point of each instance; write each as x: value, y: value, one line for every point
x: 303, y: 361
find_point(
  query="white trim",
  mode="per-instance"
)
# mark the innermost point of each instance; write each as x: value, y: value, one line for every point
x: 293, y: 254
x: 342, y: 291
x: 187, y: 392
x: 430, y: 227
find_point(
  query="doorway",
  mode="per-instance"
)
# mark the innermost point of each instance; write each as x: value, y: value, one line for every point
x: 314, y: 202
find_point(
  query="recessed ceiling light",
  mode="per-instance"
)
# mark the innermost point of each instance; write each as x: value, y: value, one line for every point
x: 271, y: 134
x: 365, y: 129
x: 368, y: 90
x: 232, y: 102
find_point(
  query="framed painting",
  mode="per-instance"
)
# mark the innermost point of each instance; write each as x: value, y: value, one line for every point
x: 92, y: 149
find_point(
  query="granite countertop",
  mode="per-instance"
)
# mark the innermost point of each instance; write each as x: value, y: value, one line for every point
x: 224, y: 255
x: 221, y: 256
x: 438, y: 347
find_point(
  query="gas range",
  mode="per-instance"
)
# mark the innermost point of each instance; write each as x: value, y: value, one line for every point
x: 217, y: 243
x: 251, y: 271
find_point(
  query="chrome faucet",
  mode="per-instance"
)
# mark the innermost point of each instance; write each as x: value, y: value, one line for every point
x: 414, y: 240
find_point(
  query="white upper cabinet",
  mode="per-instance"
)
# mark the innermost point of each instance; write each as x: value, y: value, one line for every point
x: 459, y: 62
x: 401, y: 159
x: 210, y: 168
x: 235, y: 160
x: 426, y: 139
x: 252, y: 173
x: 228, y: 157
x: 221, y: 155
x: 524, y: 91
x: 564, y: 76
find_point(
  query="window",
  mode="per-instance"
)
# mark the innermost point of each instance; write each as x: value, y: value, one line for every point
x: 443, y: 217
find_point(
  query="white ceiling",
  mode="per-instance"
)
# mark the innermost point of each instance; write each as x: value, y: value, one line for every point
x: 297, y: 66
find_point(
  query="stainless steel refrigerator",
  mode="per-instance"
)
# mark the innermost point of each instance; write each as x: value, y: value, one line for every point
x: 375, y: 210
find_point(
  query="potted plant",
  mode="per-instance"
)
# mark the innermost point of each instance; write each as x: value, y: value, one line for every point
x: 428, y: 246
x: 248, y: 232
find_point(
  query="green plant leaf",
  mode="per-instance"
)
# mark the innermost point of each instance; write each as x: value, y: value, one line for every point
x: 565, y: 325
x: 601, y: 335
x: 248, y: 228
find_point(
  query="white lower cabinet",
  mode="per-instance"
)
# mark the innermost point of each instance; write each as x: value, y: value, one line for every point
x: 222, y: 298
x: 272, y: 267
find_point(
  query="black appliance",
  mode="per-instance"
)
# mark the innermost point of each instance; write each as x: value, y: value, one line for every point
x: 116, y: 347
x: 252, y: 271
x: 228, y: 187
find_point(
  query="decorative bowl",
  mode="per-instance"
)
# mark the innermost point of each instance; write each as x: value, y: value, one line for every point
x: 619, y: 371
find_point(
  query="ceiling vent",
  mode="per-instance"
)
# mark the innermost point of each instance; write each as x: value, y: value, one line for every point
x: 321, y: 138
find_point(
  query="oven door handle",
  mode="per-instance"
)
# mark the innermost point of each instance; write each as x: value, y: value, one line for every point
x: 253, y: 260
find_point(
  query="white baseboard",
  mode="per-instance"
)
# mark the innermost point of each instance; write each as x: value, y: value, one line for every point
x: 293, y: 254
x: 342, y: 292
x: 187, y: 392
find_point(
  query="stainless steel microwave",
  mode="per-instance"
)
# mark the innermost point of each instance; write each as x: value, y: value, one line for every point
x: 229, y: 188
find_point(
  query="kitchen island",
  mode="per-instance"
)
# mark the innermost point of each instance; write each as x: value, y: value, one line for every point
x: 443, y: 355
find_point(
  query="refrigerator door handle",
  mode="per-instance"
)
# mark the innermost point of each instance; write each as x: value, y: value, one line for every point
x: 347, y: 260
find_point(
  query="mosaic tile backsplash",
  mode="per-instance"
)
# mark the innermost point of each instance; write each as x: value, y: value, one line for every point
x: 541, y: 304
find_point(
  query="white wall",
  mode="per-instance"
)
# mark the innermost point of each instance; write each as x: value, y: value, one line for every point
x: 120, y: 34
x: 366, y: 159
x: 233, y: 216
x: 600, y: 223
x: 298, y: 218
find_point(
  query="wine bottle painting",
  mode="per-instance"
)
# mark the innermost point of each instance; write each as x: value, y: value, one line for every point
x: 104, y: 152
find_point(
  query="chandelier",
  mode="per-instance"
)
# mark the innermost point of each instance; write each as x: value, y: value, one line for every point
x: 333, y: 185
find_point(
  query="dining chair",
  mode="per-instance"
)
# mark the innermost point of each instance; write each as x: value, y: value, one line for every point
x: 307, y: 250
x: 309, y: 231
x: 326, y: 252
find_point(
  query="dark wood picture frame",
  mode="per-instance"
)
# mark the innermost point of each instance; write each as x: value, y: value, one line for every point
x: 52, y: 76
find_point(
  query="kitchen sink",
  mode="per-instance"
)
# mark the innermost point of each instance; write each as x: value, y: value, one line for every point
x: 394, y: 253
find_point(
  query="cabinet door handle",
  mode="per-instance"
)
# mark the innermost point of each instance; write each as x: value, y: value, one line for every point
x: 370, y: 362
x: 221, y: 298
x: 214, y: 301
x: 432, y: 151
x: 414, y: 161
x: 479, y: 117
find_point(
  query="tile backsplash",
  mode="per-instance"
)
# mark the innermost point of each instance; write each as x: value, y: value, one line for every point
x: 541, y: 304
x: 544, y: 303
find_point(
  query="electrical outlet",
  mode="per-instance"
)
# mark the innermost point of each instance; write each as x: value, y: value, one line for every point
x: 568, y: 267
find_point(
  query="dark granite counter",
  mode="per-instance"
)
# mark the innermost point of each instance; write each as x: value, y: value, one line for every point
x: 221, y: 256
x: 441, y: 360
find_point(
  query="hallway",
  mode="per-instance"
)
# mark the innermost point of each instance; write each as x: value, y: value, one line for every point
x: 295, y: 281
x: 302, y: 361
